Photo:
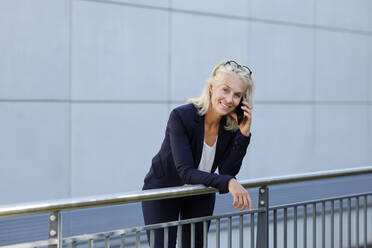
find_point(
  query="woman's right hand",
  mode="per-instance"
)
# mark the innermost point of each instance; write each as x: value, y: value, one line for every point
x: 240, y: 195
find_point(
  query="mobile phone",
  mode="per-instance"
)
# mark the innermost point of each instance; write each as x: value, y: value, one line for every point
x: 239, y: 112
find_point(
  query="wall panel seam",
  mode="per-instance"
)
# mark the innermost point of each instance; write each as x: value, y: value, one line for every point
x: 261, y: 102
x: 314, y: 63
x: 232, y: 17
x: 69, y: 103
x: 169, y: 83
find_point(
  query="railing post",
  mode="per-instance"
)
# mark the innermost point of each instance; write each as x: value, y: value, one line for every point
x: 263, y: 218
x: 55, y: 229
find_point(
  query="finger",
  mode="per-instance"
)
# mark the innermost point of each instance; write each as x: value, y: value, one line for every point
x: 249, y: 203
x: 241, y: 201
x: 247, y: 115
x: 235, y: 202
x: 245, y: 203
x: 245, y: 109
x: 247, y: 104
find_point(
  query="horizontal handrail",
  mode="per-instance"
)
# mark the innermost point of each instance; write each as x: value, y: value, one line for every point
x: 41, y: 243
x: 154, y: 194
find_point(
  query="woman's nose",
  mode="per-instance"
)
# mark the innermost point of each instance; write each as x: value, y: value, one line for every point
x: 229, y: 99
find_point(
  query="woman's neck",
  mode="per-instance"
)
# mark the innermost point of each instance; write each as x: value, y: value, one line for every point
x: 212, y: 119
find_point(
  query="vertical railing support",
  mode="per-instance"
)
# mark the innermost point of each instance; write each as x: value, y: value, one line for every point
x: 55, y: 229
x: 263, y: 218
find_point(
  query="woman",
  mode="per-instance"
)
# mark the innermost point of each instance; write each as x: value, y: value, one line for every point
x: 201, y: 136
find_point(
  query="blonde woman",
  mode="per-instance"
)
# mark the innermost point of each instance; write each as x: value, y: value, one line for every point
x: 210, y: 132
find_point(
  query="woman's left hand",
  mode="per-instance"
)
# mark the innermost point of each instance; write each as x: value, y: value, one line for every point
x: 240, y: 195
x: 245, y: 125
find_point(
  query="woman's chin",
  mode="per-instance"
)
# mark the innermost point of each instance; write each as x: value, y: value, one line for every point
x: 225, y: 112
x: 222, y: 111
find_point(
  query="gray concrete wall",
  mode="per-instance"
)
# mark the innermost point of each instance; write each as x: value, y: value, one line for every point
x: 86, y: 86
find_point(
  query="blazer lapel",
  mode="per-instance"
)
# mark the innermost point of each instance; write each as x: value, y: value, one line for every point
x: 199, y: 138
x: 222, y: 140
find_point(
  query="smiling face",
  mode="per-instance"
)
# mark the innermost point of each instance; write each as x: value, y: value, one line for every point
x: 226, y: 92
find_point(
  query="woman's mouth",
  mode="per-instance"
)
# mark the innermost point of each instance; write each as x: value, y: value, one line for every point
x: 225, y: 107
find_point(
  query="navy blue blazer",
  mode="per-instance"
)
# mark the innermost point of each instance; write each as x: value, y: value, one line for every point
x: 177, y: 161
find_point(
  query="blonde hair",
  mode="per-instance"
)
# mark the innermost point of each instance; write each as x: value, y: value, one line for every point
x: 202, y: 102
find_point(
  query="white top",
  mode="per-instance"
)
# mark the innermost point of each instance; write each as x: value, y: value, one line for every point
x: 207, y: 157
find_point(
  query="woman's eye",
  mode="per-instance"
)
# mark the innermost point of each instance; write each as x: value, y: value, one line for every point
x: 237, y: 96
x: 225, y: 90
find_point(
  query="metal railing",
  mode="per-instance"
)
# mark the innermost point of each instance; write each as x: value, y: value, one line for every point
x: 255, y: 227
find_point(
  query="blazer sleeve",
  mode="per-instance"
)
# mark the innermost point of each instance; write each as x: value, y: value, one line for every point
x: 233, y: 158
x: 183, y: 159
